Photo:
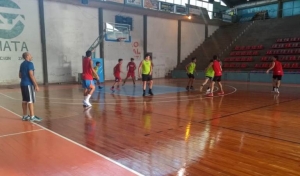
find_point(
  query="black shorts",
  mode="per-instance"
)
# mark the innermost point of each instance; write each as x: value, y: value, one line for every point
x: 28, y: 94
x: 210, y: 78
x: 278, y: 77
x: 146, y: 77
x: 190, y: 75
x: 217, y: 79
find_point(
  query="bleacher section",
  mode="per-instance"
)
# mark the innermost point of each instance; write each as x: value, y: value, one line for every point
x: 263, y: 39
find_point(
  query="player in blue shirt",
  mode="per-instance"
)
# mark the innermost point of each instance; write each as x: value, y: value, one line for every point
x: 28, y: 87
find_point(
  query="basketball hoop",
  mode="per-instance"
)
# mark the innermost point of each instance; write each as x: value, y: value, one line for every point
x: 121, y: 39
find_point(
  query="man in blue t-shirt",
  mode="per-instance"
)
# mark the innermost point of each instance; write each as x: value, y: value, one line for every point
x: 28, y: 87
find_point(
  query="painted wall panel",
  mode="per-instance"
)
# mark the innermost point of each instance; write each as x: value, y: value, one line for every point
x: 70, y: 30
x: 162, y: 42
x: 19, y: 32
x: 192, y: 35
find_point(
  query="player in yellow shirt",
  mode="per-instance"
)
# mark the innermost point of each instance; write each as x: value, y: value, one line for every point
x: 209, y: 74
x: 95, y: 77
x: 190, y: 70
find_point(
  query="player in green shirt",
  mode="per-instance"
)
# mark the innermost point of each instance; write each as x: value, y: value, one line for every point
x: 190, y: 70
x: 95, y: 76
x: 209, y: 74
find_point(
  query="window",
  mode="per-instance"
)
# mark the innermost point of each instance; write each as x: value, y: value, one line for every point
x: 210, y: 14
x: 210, y: 7
x: 199, y: 3
x: 205, y: 5
x: 217, y: 0
x: 177, y: 2
x: 184, y: 2
x: 193, y: 2
x: 205, y: 0
x: 223, y: 4
x: 170, y: 1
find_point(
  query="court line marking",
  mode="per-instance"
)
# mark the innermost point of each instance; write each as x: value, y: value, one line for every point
x: 145, y: 98
x: 13, y: 134
x: 135, y: 97
x: 80, y: 145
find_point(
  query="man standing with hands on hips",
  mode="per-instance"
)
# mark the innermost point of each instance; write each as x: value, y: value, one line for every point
x: 28, y: 87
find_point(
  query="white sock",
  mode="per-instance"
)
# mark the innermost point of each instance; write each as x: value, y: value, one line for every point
x: 87, y: 98
x: 32, y: 117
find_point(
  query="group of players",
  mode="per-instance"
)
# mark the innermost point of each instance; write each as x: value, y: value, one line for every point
x: 213, y: 73
x: 89, y: 74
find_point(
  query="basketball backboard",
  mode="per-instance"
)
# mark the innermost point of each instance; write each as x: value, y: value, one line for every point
x: 115, y: 31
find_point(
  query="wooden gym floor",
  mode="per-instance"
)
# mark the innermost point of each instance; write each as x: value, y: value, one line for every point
x: 249, y: 131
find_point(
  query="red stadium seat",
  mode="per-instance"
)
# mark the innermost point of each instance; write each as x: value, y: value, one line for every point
x: 238, y: 59
x: 293, y: 39
x: 282, y: 52
x: 298, y: 39
x: 237, y: 48
x: 248, y: 48
x: 231, y: 59
x: 254, y: 47
x: 249, y: 53
x: 226, y: 59
x: 260, y: 47
x: 295, y: 45
x: 269, y: 52
x: 244, y: 53
x: 295, y: 65
x: 242, y: 48
x: 288, y: 45
x: 257, y: 66
x: 243, y: 59
x: 290, y: 51
x: 263, y: 59
x: 287, y: 65
x: 249, y: 59
x: 286, y: 40
x: 297, y: 51
x: 279, y: 40
x: 292, y: 58
x: 232, y: 54
x: 255, y: 53
x: 275, y: 46
x: 244, y: 65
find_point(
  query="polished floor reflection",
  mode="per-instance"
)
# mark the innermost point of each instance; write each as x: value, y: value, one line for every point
x: 249, y: 131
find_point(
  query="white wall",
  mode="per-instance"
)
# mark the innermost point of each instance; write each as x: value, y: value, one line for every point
x: 212, y: 29
x: 70, y: 30
x: 162, y: 42
x: 115, y: 50
x: 192, y: 35
x: 11, y: 45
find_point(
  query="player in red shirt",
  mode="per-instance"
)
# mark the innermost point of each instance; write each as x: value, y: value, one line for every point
x: 117, y: 74
x: 87, y: 79
x: 277, y: 73
x: 131, y: 67
x: 215, y: 64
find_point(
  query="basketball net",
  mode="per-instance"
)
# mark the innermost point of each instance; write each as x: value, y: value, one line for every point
x: 121, y: 40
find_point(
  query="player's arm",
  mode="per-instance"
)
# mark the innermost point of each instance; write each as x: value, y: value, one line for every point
x: 151, y: 67
x: 93, y: 70
x: 31, y: 75
x: 187, y: 66
x: 209, y: 65
x: 272, y: 66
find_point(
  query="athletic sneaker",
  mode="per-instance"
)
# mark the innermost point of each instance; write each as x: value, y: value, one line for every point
x: 86, y: 104
x: 208, y: 90
x: 276, y: 90
x: 210, y: 95
x: 192, y: 88
x: 99, y: 87
x: 144, y: 94
x: 35, y: 119
x: 221, y: 93
x: 25, y: 118
x: 150, y: 92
